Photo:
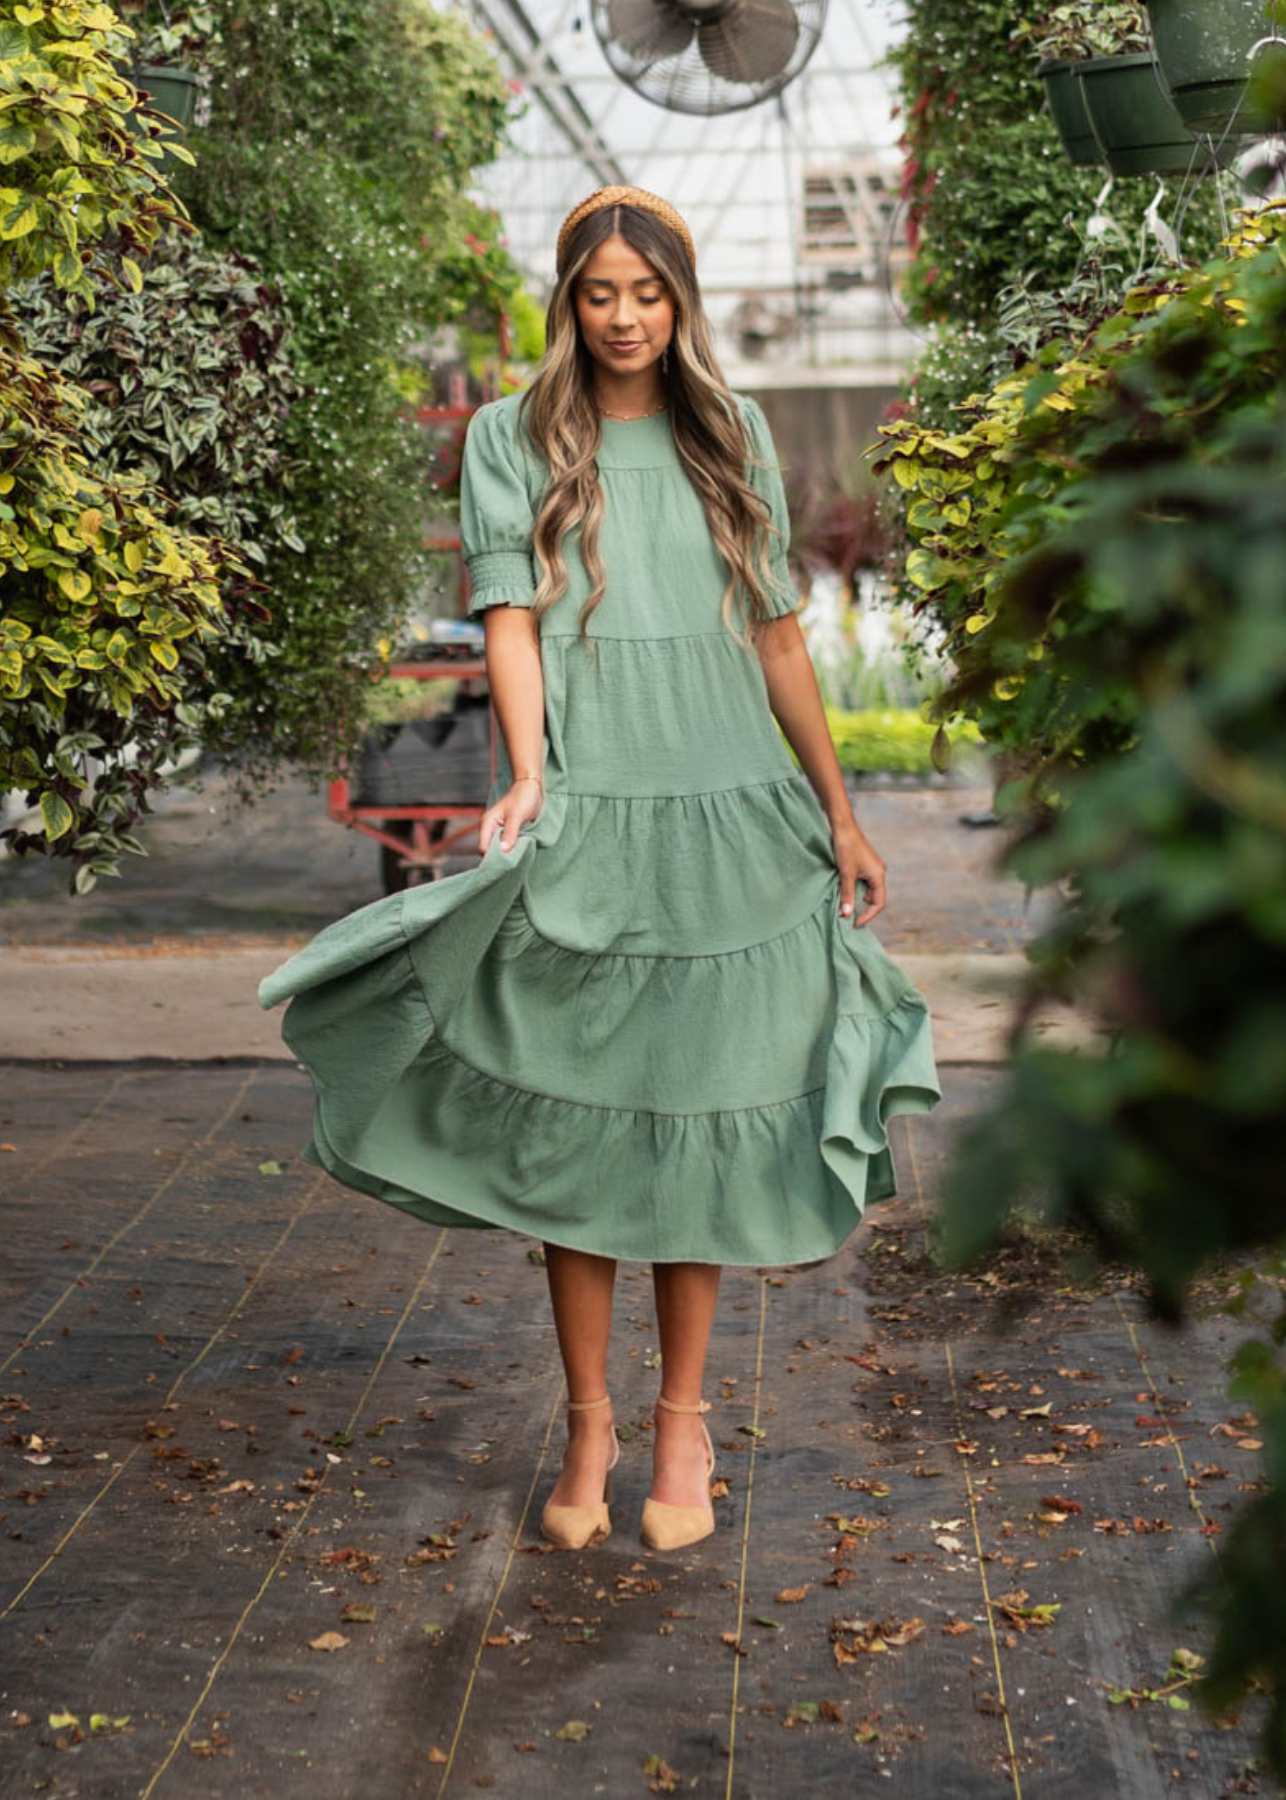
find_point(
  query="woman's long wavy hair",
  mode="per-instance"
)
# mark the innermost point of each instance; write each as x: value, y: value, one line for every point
x: 561, y: 416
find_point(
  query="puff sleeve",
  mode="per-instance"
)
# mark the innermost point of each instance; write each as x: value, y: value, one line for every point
x: 766, y: 480
x: 496, y: 516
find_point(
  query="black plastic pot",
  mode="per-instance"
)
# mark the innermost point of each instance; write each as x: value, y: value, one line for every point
x: 1135, y: 125
x: 444, y: 761
x: 1067, y: 109
x: 1209, y: 52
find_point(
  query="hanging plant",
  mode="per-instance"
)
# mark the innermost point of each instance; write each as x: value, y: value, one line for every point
x: 1224, y: 62
x: 1085, y: 28
x: 1068, y: 111
x: 1135, y: 123
x: 1064, y: 38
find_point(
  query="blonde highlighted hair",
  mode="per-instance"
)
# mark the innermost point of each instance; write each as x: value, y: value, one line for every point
x: 561, y: 417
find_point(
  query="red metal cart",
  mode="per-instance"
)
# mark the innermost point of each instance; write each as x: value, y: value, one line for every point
x: 418, y: 835
x: 417, y: 838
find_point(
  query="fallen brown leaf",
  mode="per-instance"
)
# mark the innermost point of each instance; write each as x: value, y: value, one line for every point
x: 666, y: 1779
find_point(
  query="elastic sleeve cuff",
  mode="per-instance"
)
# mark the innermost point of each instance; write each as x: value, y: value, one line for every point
x: 783, y: 601
x: 500, y: 578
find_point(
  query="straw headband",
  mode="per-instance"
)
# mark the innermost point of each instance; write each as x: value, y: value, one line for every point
x: 624, y: 196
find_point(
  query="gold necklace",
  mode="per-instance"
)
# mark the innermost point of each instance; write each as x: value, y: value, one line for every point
x: 628, y: 418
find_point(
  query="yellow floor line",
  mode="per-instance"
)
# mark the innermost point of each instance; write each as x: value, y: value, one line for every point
x: 971, y: 1496
x: 500, y: 1588
x: 1193, y: 1498
x: 986, y: 1591
x: 349, y: 1430
x: 745, y: 1535
x: 78, y: 1281
x: 178, y: 1381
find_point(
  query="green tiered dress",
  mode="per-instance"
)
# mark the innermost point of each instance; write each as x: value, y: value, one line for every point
x: 645, y: 1031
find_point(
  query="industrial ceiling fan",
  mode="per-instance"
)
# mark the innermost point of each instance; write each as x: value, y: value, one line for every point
x: 708, y: 56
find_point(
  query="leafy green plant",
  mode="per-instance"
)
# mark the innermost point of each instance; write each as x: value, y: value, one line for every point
x: 110, y: 605
x: 79, y: 187
x: 1085, y: 28
x: 981, y: 495
x: 189, y: 385
x: 109, y: 614
x: 185, y: 35
x: 992, y: 202
x: 341, y: 141
x: 1154, y: 574
x: 987, y: 187
x: 887, y: 738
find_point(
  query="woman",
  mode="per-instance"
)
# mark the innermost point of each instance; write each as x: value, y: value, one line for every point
x: 648, y: 1024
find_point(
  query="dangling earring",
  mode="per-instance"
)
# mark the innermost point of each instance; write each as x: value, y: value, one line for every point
x: 665, y: 360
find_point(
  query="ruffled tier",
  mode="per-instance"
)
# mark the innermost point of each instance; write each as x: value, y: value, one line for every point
x: 480, y: 1058
x: 706, y: 722
x: 681, y: 874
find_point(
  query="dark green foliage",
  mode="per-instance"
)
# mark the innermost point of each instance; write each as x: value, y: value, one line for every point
x: 341, y: 136
x: 111, y: 608
x: 989, y: 189
x: 1102, y: 536
x: 1169, y: 1146
x: 992, y: 197
x: 189, y: 384
x: 110, y: 615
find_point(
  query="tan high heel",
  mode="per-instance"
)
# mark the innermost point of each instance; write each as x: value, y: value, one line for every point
x: 573, y: 1527
x: 666, y: 1527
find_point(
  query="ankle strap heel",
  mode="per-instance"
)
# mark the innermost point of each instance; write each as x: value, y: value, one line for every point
x: 667, y: 1527
x: 574, y: 1527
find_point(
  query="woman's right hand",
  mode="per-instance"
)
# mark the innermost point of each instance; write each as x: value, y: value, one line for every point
x: 521, y: 801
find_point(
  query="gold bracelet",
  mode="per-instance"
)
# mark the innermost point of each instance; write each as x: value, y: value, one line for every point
x: 529, y: 778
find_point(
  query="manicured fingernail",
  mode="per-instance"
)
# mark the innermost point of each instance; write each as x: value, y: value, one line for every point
x: 846, y: 908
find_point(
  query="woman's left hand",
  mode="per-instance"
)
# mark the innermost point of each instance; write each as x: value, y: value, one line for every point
x: 857, y: 860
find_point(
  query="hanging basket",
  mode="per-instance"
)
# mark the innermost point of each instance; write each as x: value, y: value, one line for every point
x: 1067, y: 109
x: 1134, y: 123
x: 1208, y: 51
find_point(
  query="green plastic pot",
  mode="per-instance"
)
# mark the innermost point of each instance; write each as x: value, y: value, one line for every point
x: 172, y: 91
x: 1204, y: 48
x: 1135, y: 125
x: 1067, y: 109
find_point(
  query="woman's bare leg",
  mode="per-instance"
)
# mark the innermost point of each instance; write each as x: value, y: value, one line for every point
x: 580, y: 1288
x: 685, y: 1301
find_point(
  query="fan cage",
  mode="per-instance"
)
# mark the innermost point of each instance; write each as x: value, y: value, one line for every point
x: 684, y: 83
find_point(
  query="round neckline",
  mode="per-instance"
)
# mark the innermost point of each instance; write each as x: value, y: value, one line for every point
x: 662, y: 412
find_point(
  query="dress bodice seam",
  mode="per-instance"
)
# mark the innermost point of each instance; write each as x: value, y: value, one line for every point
x: 738, y: 787
x: 666, y: 637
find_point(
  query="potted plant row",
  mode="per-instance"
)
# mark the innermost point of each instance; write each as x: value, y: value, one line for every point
x: 1105, y: 94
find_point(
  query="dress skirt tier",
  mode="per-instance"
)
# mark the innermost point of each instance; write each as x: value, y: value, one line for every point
x: 645, y: 1031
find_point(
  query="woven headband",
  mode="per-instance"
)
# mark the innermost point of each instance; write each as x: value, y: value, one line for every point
x: 624, y: 196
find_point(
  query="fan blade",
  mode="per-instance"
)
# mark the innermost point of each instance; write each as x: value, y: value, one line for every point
x: 649, y: 30
x: 751, y: 43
